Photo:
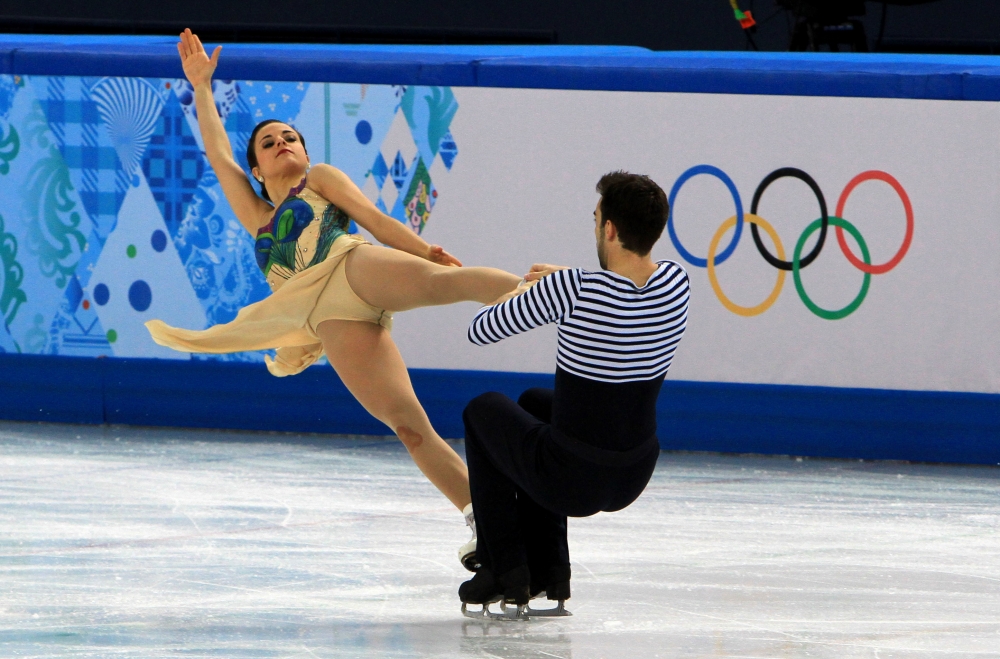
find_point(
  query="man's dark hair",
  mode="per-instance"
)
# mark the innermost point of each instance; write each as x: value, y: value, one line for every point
x: 637, y: 206
x: 252, y: 148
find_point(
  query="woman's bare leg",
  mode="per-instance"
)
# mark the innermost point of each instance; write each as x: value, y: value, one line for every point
x: 366, y: 359
x: 396, y: 281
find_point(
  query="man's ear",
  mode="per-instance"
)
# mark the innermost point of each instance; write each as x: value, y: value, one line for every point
x: 610, y: 231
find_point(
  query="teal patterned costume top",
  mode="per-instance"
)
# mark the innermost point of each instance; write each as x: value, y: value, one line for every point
x: 299, y: 235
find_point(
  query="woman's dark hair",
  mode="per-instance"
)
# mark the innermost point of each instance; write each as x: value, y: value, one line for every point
x: 252, y: 151
x: 637, y: 206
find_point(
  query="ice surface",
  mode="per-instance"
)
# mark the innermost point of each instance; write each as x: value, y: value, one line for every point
x: 125, y: 542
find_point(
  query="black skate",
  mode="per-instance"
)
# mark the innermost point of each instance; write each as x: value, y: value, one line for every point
x: 511, y: 589
x: 553, y: 585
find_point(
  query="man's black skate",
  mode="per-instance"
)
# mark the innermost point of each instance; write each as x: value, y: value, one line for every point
x: 553, y: 584
x: 511, y: 589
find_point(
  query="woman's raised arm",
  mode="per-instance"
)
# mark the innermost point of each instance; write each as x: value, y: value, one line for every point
x: 252, y: 211
x: 341, y: 191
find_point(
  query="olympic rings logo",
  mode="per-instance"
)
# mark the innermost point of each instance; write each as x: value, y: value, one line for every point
x: 715, y: 258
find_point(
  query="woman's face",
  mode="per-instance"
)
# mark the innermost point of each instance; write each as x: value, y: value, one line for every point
x: 279, y: 152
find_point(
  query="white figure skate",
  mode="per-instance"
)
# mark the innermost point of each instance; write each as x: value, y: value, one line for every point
x: 467, y: 552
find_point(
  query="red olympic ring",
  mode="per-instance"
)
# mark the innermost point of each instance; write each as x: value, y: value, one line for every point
x: 875, y: 175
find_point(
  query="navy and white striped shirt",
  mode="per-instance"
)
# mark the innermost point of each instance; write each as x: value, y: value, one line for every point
x: 610, y: 330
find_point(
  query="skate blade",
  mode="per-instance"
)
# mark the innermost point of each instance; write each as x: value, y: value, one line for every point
x: 482, y: 614
x: 507, y: 613
x: 558, y: 612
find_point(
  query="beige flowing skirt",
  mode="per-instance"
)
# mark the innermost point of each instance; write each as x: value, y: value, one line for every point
x: 287, y: 319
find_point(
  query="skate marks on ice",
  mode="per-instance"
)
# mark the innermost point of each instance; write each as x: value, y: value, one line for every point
x: 132, y: 542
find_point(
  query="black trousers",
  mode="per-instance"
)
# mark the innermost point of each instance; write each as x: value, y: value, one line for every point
x: 527, y: 477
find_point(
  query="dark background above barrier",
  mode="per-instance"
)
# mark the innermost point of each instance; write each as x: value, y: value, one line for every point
x: 693, y: 416
x: 958, y: 26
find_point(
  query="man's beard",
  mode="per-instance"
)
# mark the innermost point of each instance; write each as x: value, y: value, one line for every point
x: 602, y: 253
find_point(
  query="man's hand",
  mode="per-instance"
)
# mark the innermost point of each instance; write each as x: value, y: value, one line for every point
x: 436, y: 254
x: 521, y: 288
x: 539, y: 270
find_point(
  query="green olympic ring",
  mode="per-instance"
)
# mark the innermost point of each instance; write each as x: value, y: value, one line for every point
x: 812, y: 306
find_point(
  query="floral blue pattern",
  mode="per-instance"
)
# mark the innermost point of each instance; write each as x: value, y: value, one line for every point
x: 218, y: 254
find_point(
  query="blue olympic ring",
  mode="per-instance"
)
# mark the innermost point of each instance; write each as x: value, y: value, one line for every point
x: 722, y: 176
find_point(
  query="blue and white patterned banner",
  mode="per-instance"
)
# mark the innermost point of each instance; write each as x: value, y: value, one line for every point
x: 110, y: 214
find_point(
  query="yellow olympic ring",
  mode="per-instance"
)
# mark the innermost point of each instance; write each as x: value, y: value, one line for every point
x: 726, y: 302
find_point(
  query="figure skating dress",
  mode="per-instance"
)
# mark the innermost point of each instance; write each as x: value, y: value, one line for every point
x: 303, y: 253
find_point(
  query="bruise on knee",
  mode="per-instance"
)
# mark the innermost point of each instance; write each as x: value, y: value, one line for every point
x: 410, y: 438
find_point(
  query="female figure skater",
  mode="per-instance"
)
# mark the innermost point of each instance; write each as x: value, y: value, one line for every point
x: 332, y: 292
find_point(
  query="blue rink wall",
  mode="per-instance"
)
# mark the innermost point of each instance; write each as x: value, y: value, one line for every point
x: 838, y: 422
x: 66, y: 345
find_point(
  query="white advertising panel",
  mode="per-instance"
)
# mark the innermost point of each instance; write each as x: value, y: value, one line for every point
x: 917, y: 180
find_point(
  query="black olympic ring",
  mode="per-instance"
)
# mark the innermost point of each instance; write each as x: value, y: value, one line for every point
x: 808, y: 180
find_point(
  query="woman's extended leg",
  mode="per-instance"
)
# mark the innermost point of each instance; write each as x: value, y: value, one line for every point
x: 366, y: 359
x: 396, y: 281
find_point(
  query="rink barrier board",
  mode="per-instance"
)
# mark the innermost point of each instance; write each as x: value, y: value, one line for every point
x: 829, y: 422
x: 611, y: 68
x: 696, y: 416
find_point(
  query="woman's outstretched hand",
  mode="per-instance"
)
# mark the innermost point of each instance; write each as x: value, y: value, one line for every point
x: 198, y: 66
x: 436, y: 254
x: 540, y: 270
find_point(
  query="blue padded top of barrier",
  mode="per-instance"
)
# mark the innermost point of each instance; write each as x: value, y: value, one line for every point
x: 613, y: 68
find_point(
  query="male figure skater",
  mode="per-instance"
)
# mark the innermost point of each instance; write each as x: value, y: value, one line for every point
x: 589, y: 445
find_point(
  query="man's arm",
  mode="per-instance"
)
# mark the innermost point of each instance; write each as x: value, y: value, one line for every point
x: 550, y: 300
x: 537, y: 271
